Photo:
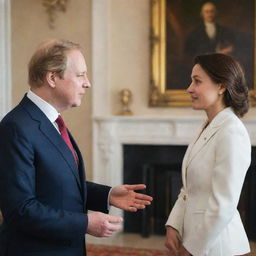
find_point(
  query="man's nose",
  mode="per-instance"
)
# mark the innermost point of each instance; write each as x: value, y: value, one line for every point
x: 86, y: 83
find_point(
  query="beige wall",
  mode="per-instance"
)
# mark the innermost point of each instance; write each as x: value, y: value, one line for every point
x: 29, y: 27
x: 130, y: 30
x: 129, y: 48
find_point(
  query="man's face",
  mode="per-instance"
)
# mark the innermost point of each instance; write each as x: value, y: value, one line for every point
x: 70, y: 89
x: 208, y: 12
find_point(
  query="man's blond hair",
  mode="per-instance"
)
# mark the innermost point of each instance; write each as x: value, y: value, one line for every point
x: 51, y: 55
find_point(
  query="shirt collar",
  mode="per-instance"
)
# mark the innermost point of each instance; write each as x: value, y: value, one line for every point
x: 50, y: 112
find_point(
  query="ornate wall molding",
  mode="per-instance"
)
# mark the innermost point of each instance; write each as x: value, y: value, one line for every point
x: 53, y: 6
x: 5, y: 57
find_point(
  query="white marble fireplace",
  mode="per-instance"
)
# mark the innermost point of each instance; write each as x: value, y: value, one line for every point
x: 111, y: 133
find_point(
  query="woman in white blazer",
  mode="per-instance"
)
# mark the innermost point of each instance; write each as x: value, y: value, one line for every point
x: 204, y: 220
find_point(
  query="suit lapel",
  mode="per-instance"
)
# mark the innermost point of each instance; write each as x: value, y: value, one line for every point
x: 50, y: 132
x: 55, y: 138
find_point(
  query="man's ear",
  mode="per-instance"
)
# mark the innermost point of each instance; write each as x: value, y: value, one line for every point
x: 51, y: 78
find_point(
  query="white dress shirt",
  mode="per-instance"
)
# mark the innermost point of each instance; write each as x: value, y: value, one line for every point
x: 50, y: 112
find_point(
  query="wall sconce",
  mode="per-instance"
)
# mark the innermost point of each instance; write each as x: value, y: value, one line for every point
x: 52, y: 6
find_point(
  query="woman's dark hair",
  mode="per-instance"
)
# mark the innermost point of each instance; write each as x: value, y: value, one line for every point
x: 225, y: 70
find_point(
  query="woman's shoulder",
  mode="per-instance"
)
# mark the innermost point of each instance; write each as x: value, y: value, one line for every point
x: 233, y: 129
x: 232, y: 121
x: 228, y: 120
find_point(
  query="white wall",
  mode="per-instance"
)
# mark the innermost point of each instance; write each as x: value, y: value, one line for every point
x: 5, y: 64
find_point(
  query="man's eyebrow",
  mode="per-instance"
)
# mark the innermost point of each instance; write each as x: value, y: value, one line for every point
x: 82, y: 73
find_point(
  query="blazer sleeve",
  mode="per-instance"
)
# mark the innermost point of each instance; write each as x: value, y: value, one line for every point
x: 176, y: 217
x: 18, y: 202
x: 232, y: 159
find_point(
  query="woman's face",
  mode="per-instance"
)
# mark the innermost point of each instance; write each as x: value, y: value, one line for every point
x: 205, y: 94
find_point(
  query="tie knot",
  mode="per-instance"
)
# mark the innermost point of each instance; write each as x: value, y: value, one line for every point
x: 60, y: 122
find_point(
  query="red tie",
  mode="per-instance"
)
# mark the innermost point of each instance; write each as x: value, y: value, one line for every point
x: 65, y: 136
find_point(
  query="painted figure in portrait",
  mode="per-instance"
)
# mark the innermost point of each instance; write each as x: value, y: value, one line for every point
x: 196, y: 27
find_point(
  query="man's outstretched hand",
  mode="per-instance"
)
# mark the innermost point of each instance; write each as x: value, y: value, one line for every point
x: 124, y: 197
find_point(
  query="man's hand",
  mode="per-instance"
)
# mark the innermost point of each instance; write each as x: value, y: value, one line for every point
x: 102, y: 225
x: 173, y: 241
x: 124, y: 197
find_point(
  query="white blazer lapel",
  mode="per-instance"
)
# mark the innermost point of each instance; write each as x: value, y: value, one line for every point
x: 187, y: 155
x: 202, y: 141
x: 206, y: 135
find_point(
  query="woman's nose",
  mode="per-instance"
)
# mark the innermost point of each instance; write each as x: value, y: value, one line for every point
x: 190, y: 88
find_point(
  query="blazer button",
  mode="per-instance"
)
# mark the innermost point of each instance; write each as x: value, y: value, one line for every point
x: 184, y: 197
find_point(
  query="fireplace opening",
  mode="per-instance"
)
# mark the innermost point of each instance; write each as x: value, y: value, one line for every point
x: 159, y: 167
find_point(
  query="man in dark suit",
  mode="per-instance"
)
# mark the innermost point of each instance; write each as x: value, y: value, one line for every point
x: 44, y: 197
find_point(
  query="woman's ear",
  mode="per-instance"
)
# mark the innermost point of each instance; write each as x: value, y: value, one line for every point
x: 50, y: 78
x: 222, y: 89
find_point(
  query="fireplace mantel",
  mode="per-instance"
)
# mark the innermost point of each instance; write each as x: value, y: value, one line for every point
x: 111, y: 132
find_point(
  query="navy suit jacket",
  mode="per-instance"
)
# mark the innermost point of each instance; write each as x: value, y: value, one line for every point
x: 44, y: 197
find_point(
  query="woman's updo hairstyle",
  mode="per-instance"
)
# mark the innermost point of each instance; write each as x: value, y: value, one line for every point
x: 225, y: 70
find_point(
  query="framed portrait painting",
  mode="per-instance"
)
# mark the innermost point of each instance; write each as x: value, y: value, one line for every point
x: 182, y: 29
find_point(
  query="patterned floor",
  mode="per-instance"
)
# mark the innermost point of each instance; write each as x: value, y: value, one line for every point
x: 110, y: 250
x: 253, y: 249
x: 107, y: 250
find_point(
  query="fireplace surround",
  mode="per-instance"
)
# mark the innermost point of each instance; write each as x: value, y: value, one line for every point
x: 112, y: 134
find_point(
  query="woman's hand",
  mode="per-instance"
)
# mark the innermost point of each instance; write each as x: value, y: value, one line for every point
x: 184, y: 252
x: 173, y: 241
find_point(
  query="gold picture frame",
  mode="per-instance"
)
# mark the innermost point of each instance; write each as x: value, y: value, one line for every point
x: 165, y: 95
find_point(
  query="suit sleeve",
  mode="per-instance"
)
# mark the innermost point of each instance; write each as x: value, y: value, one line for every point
x: 232, y: 159
x: 97, y: 197
x: 18, y: 201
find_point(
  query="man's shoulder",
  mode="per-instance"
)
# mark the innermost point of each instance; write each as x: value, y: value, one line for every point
x: 18, y: 116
